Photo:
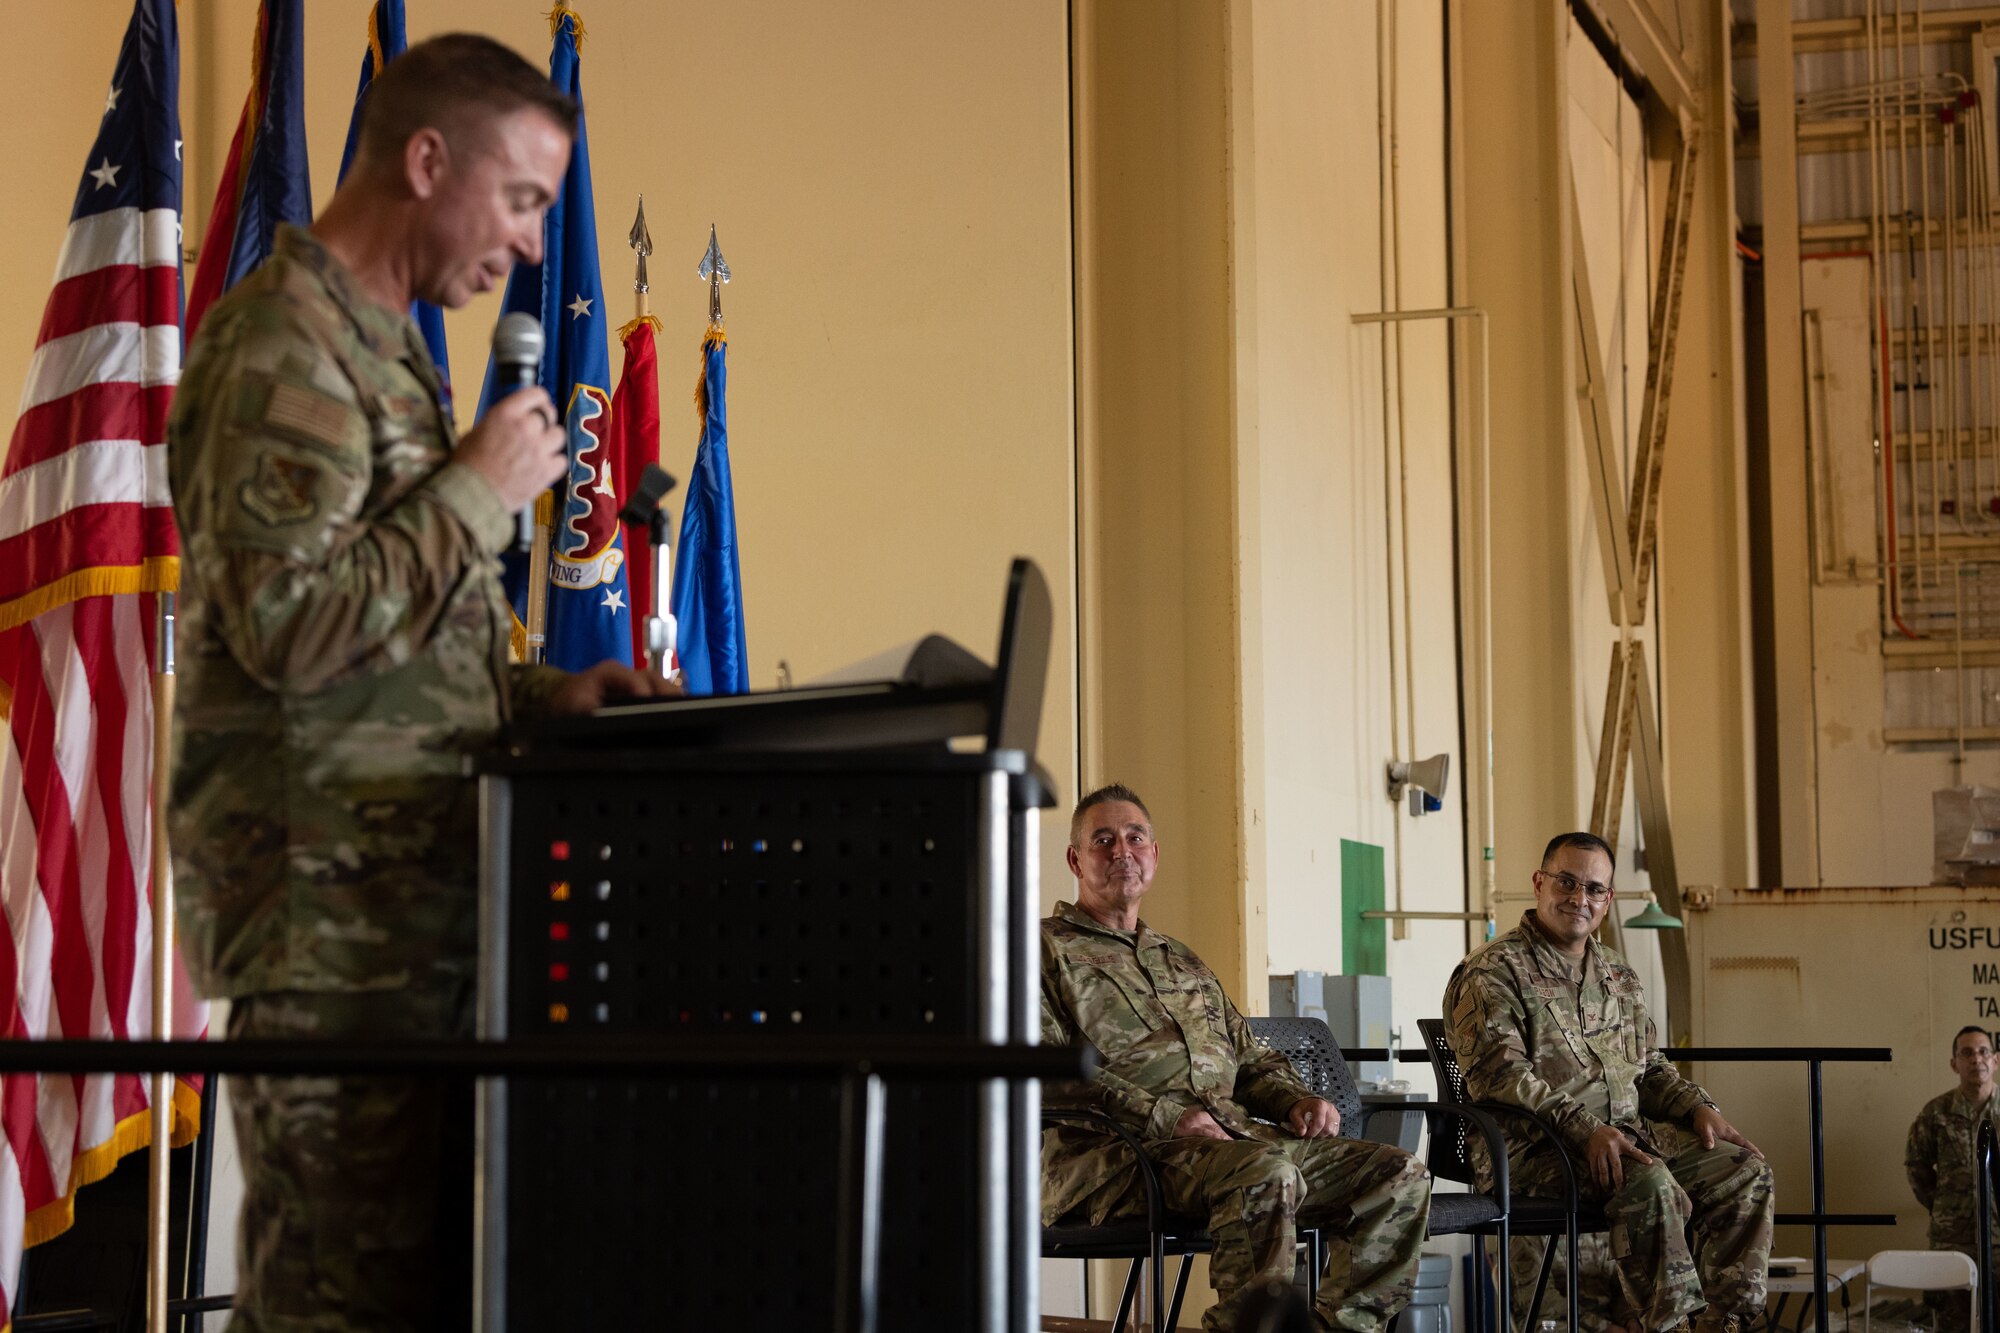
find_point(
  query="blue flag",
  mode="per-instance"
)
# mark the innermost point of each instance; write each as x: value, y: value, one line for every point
x: 708, y: 585
x: 588, y: 618
x: 385, y: 42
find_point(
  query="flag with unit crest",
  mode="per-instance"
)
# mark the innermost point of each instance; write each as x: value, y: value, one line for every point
x: 589, y: 616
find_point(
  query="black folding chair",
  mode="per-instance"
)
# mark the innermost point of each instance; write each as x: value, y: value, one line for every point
x: 1451, y: 1159
x: 1309, y: 1044
x: 1315, y: 1055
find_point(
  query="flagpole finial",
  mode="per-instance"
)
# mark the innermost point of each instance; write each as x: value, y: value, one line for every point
x: 641, y: 241
x: 714, y: 272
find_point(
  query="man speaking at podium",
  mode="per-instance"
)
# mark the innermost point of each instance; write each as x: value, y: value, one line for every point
x: 344, y: 646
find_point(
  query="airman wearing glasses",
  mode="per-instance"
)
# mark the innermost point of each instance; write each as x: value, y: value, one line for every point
x: 1548, y: 1019
x: 1942, y: 1167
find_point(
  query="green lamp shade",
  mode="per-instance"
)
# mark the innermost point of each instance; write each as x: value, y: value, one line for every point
x: 1652, y: 918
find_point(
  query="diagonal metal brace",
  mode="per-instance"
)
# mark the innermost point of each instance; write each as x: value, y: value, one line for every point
x: 1643, y: 519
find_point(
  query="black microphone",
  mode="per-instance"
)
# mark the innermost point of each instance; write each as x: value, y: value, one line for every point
x: 517, y: 359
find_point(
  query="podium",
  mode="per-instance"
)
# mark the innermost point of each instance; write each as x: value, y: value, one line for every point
x: 794, y: 865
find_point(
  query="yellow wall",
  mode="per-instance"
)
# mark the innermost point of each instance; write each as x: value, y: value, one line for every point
x: 1548, y: 599
x: 1329, y: 439
x: 1517, y: 269
x: 1157, y: 536
x: 1704, y: 591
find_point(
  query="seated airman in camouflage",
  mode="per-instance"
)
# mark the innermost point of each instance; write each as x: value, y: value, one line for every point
x: 1235, y: 1136
x: 1547, y: 1019
x: 1940, y: 1163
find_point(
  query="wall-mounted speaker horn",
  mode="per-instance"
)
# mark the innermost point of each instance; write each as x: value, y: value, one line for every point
x: 1423, y: 779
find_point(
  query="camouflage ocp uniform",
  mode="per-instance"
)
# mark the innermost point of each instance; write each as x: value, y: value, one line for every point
x: 1579, y: 1050
x: 343, y: 644
x: 1939, y: 1161
x: 1171, y: 1041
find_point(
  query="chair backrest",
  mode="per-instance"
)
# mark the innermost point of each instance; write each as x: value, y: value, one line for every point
x: 1923, y: 1270
x: 1451, y: 1157
x: 1308, y: 1043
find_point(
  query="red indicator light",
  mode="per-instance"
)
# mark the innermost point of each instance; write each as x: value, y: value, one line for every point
x: 558, y: 971
x: 558, y: 930
x: 558, y: 851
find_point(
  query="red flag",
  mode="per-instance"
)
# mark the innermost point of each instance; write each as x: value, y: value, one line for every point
x: 635, y: 419
x: 264, y: 178
x: 86, y: 539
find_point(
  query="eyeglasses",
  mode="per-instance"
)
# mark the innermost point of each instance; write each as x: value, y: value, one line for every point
x: 1567, y: 884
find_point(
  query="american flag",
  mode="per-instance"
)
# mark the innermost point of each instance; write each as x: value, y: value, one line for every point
x: 86, y: 541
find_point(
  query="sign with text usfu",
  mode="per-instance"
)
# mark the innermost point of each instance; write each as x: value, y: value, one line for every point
x: 1963, y: 945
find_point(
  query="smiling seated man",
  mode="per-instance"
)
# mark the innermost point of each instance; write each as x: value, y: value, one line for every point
x: 1235, y: 1136
x: 1547, y: 1019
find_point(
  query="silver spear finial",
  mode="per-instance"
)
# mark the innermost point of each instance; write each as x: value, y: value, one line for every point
x: 641, y: 241
x: 715, y: 272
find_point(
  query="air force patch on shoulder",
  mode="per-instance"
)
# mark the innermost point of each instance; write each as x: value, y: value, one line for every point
x: 282, y: 492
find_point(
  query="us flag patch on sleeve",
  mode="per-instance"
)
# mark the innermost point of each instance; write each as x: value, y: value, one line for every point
x: 307, y: 413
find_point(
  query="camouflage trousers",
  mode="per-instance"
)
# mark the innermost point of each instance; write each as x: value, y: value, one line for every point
x: 356, y: 1191
x: 1642, y: 1269
x: 1373, y: 1200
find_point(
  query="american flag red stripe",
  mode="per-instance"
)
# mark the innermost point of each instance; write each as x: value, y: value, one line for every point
x: 118, y: 294
x: 86, y: 540
x: 84, y: 503
x: 120, y: 534
x: 76, y: 905
x: 121, y: 410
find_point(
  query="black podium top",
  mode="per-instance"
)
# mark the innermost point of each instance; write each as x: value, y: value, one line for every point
x: 1004, y: 707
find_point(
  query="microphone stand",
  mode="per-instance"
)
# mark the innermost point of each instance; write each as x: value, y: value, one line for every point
x: 537, y: 619
x: 655, y: 483
x: 660, y: 627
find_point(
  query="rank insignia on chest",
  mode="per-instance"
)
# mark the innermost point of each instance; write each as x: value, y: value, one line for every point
x: 281, y: 492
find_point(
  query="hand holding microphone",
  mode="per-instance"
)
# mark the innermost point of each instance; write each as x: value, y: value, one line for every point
x: 518, y: 446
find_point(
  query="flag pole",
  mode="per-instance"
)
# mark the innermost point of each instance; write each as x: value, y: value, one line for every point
x: 713, y: 271
x: 636, y: 419
x: 641, y: 241
x: 158, y: 1181
x: 538, y: 579
x: 660, y: 629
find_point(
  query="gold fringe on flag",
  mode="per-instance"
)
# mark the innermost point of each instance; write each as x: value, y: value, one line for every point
x: 557, y: 15
x: 94, y: 1164
x: 375, y: 60
x: 517, y: 639
x: 160, y: 573
x: 630, y: 327
x: 714, y: 338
